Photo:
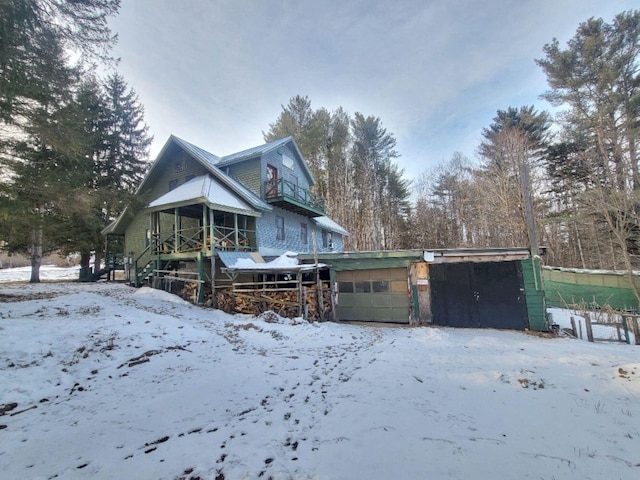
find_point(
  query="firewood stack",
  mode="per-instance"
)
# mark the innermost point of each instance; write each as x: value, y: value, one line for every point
x: 189, y: 292
x: 313, y: 307
x: 284, y: 302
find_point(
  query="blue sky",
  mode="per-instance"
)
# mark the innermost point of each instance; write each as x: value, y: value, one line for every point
x: 216, y: 72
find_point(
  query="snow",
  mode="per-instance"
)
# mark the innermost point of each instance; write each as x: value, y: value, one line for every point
x: 562, y: 317
x: 205, y: 188
x: 47, y: 273
x: 113, y: 382
x: 286, y: 261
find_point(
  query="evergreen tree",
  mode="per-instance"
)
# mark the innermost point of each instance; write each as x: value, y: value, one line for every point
x: 351, y: 159
x: 30, y: 29
x: 512, y: 149
x: 596, y: 79
x: 115, y: 151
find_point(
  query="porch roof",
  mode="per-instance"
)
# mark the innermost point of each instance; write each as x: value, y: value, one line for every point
x: 204, y: 190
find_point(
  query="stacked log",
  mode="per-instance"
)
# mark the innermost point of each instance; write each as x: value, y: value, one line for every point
x: 189, y: 292
x: 284, y: 302
x: 314, y: 312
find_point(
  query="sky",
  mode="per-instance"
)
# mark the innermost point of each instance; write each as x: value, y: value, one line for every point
x: 217, y: 72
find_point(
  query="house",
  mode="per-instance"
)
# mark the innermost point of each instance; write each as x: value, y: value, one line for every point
x: 198, y: 214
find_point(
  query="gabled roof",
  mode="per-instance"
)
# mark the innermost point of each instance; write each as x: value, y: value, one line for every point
x: 208, y: 160
x: 263, y: 150
x: 207, y: 190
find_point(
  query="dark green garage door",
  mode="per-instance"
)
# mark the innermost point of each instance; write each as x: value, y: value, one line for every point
x: 377, y: 295
x: 479, y: 295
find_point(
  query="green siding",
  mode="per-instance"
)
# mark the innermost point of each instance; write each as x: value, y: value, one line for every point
x: 568, y: 288
x: 248, y: 173
x: 159, y: 185
x: 535, y: 295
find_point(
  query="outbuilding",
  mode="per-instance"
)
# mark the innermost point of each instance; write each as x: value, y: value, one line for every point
x: 478, y: 288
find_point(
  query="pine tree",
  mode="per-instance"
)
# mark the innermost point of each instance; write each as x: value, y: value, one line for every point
x: 596, y: 79
x: 115, y: 151
x: 30, y: 30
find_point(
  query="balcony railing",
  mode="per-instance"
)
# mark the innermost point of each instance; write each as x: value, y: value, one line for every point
x: 290, y: 196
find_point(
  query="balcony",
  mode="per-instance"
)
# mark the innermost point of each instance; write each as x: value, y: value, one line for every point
x: 289, y: 196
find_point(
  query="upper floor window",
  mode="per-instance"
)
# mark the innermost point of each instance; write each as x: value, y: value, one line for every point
x: 173, y: 184
x: 287, y: 160
x: 304, y: 239
x: 279, y: 228
x: 181, y: 165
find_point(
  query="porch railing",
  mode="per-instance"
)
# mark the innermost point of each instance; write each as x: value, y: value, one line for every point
x: 198, y: 239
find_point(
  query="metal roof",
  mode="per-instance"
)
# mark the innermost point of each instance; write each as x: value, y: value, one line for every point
x: 208, y: 160
x: 207, y: 190
x: 263, y: 150
x: 328, y: 224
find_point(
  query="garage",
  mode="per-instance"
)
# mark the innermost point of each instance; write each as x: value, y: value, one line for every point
x: 479, y: 295
x: 473, y: 288
x: 378, y: 295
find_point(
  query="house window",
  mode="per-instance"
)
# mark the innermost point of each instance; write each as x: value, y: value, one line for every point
x: 181, y: 165
x: 173, y: 184
x: 147, y: 238
x: 303, y: 234
x: 327, y: 239
x: 287, y: 160
x: 279, y: 228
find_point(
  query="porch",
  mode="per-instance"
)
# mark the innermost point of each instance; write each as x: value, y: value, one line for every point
x: 185, y: 237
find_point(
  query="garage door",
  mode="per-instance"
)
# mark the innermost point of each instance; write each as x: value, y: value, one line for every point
x: 377, y: 295
x: 485, y: 295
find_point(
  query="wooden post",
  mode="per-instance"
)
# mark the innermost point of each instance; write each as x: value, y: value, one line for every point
x: 573, y: 326
x: 301, y: 297
x: 580, y: 326
x: 176, y: 231
x: 201, y: 277
x: 625, y: 327
x: 320, y: 295
x: 635, y: 326
x: 587, y: 323
x: 235, y: 227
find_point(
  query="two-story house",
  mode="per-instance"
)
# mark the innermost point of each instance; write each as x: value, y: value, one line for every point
x: 199, y: 211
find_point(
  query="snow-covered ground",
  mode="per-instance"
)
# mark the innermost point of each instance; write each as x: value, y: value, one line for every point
x: 103, y: 381
x: 47, y: 273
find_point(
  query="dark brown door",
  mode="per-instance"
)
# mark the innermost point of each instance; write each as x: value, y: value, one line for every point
x: 272, y: 181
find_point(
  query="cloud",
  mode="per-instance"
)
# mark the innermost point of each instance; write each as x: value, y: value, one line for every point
x: 435, y: 72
